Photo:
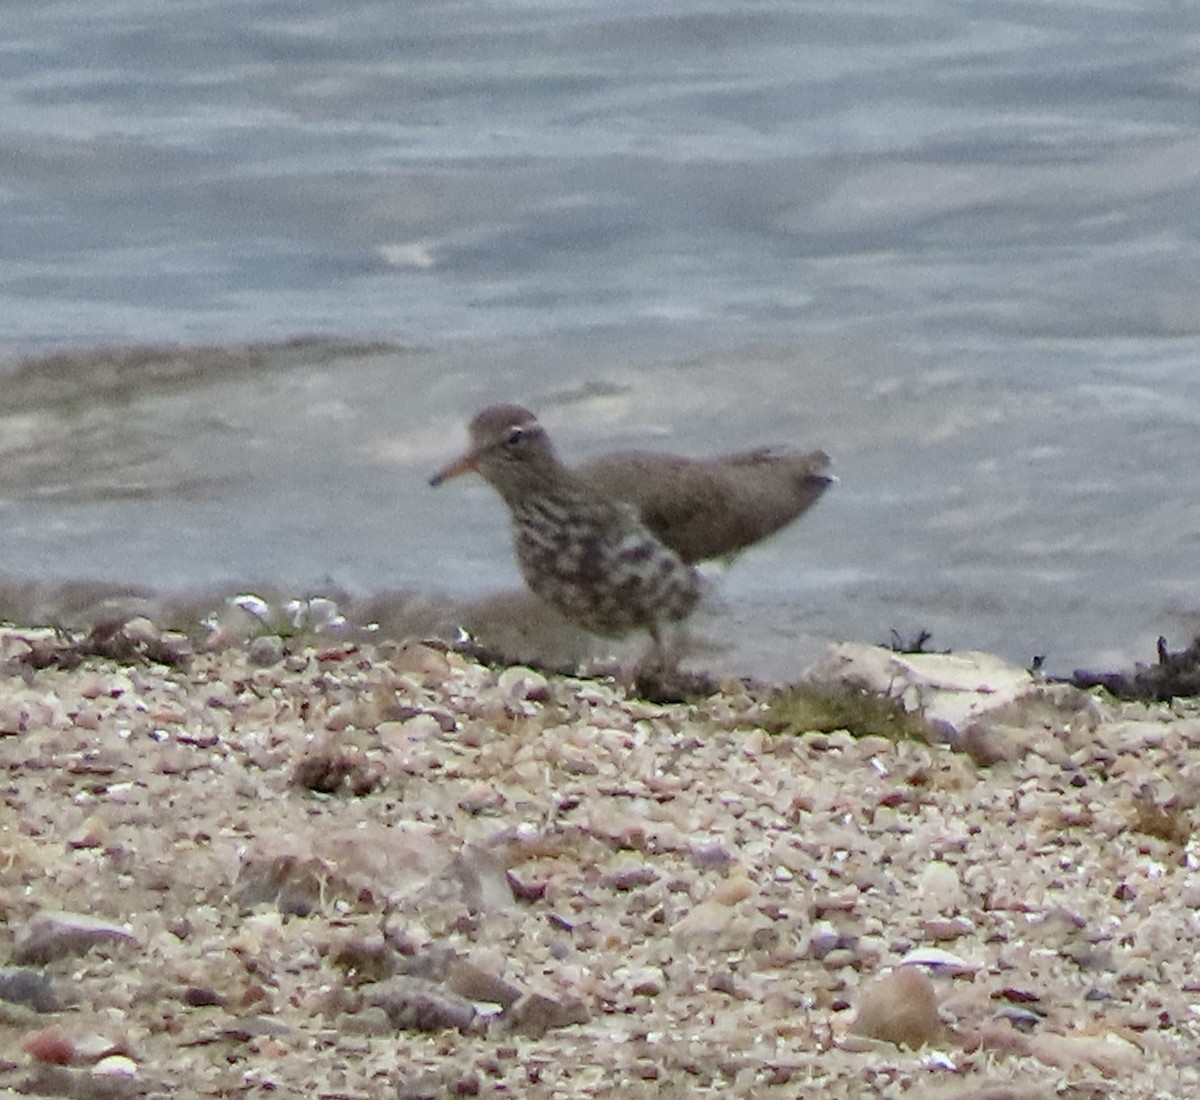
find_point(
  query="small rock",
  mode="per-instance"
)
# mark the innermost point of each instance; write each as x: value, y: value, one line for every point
x: 54, y: 935
x: 92, y: 1047
x: 365, y: 959
x: 51, y: 1045
x: 370, y: 1020
x: 899, y: 1008
x: 265, y: 650
x: 201, y: 997
x: 734, y: 889
x: 940, y: 889
x: 943, y: 929
x: 14, y: 718
x: 255, y: 1027
x: 1023, y: 1019
x: 27, y: 987
x: 519, y: 683
x: 989, y: 744
x: 630, y: 878
x: 844, y: 901
x: 939, y: 958
x: 295, y: 885
x: 721, y: 981
x: 822, y: 939
x: 416, y: 1004
x: 467, y: 1085
x: 482, y: 880
x: 115, y: 1065
x: 476, y: 984
x: 710, y: 856
x: 535, y: 1014
x: 842, y: 956
x: 425, y: 661
x: 647, y: 982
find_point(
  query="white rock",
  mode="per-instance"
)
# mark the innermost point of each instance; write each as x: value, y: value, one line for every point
x: 950, y: 689
x: 937, y: 956
x: 115, y: 1065
x: 941, y: 891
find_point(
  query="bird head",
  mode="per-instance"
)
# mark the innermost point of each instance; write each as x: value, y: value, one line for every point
x: 509, y: 448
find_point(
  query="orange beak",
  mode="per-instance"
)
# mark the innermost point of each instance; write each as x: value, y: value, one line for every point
x: 457, y: 468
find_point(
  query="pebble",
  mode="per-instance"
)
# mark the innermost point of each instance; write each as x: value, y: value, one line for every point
x: 421, y: 660
x: 646, y: 982
x: 940, y: 889
x: 54, y: 935
x: 518, y: 683
x: 417, y: 1004
x: 823, y: 939
x: 51, y: 1045
x: 842, y: 956
x: 266, y: 650
x: 201, y: 997
x: 988, y: 744
x: 1113, y: 1056
x: 943, y: 960
x: 535, y: 1014
x: 630, y: 878
x: 943, y: 930
x: 710, y: 855
x: 115, y: 1065
x: 735, y: 889
x: 255, y: 1027
x: 477, y: 984
x: 899, y: 1008
x: 481, y: 880
x: 22, y: 986
x: 369, y: 1020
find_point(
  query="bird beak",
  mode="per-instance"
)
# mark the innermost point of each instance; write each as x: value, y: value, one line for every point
x: 457, y: 468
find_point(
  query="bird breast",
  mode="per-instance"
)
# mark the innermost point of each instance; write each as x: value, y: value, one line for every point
x: 598, y: 565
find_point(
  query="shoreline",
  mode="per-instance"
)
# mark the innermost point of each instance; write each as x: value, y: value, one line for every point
x: 348, y: 865
x: 305, y: 471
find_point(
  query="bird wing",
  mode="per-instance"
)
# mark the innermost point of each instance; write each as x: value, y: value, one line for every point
x: 712, y: 508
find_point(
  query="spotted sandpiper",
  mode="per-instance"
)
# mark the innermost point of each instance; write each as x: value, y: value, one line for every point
x: 612, y: 545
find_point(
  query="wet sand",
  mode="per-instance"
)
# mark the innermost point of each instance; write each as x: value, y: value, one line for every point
x: 966, y: 507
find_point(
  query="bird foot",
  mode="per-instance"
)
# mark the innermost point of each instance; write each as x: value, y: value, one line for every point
x: 658, y: 678
x: 675, y: 685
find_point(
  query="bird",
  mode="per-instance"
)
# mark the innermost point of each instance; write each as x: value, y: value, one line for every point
x: 613, y: 545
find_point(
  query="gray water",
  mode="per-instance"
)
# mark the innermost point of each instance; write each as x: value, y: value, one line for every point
x: 953, y: 244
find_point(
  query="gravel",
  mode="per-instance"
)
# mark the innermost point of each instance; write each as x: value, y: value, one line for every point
x: 358, y: 871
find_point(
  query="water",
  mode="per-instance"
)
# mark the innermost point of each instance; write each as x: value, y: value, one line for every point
x: 954, y: 244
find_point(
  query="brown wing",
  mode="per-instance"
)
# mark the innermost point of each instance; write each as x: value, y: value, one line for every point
x: 711, y: 508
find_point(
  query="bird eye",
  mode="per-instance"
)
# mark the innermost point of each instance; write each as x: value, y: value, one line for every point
x: 516, y: 434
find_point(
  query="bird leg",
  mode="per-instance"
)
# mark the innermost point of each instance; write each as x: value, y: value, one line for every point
x: 657, y: 659
x: 657, y: 676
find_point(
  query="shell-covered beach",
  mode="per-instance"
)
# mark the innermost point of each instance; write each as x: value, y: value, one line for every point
x: 351, y: 870
x: 262, y: 265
